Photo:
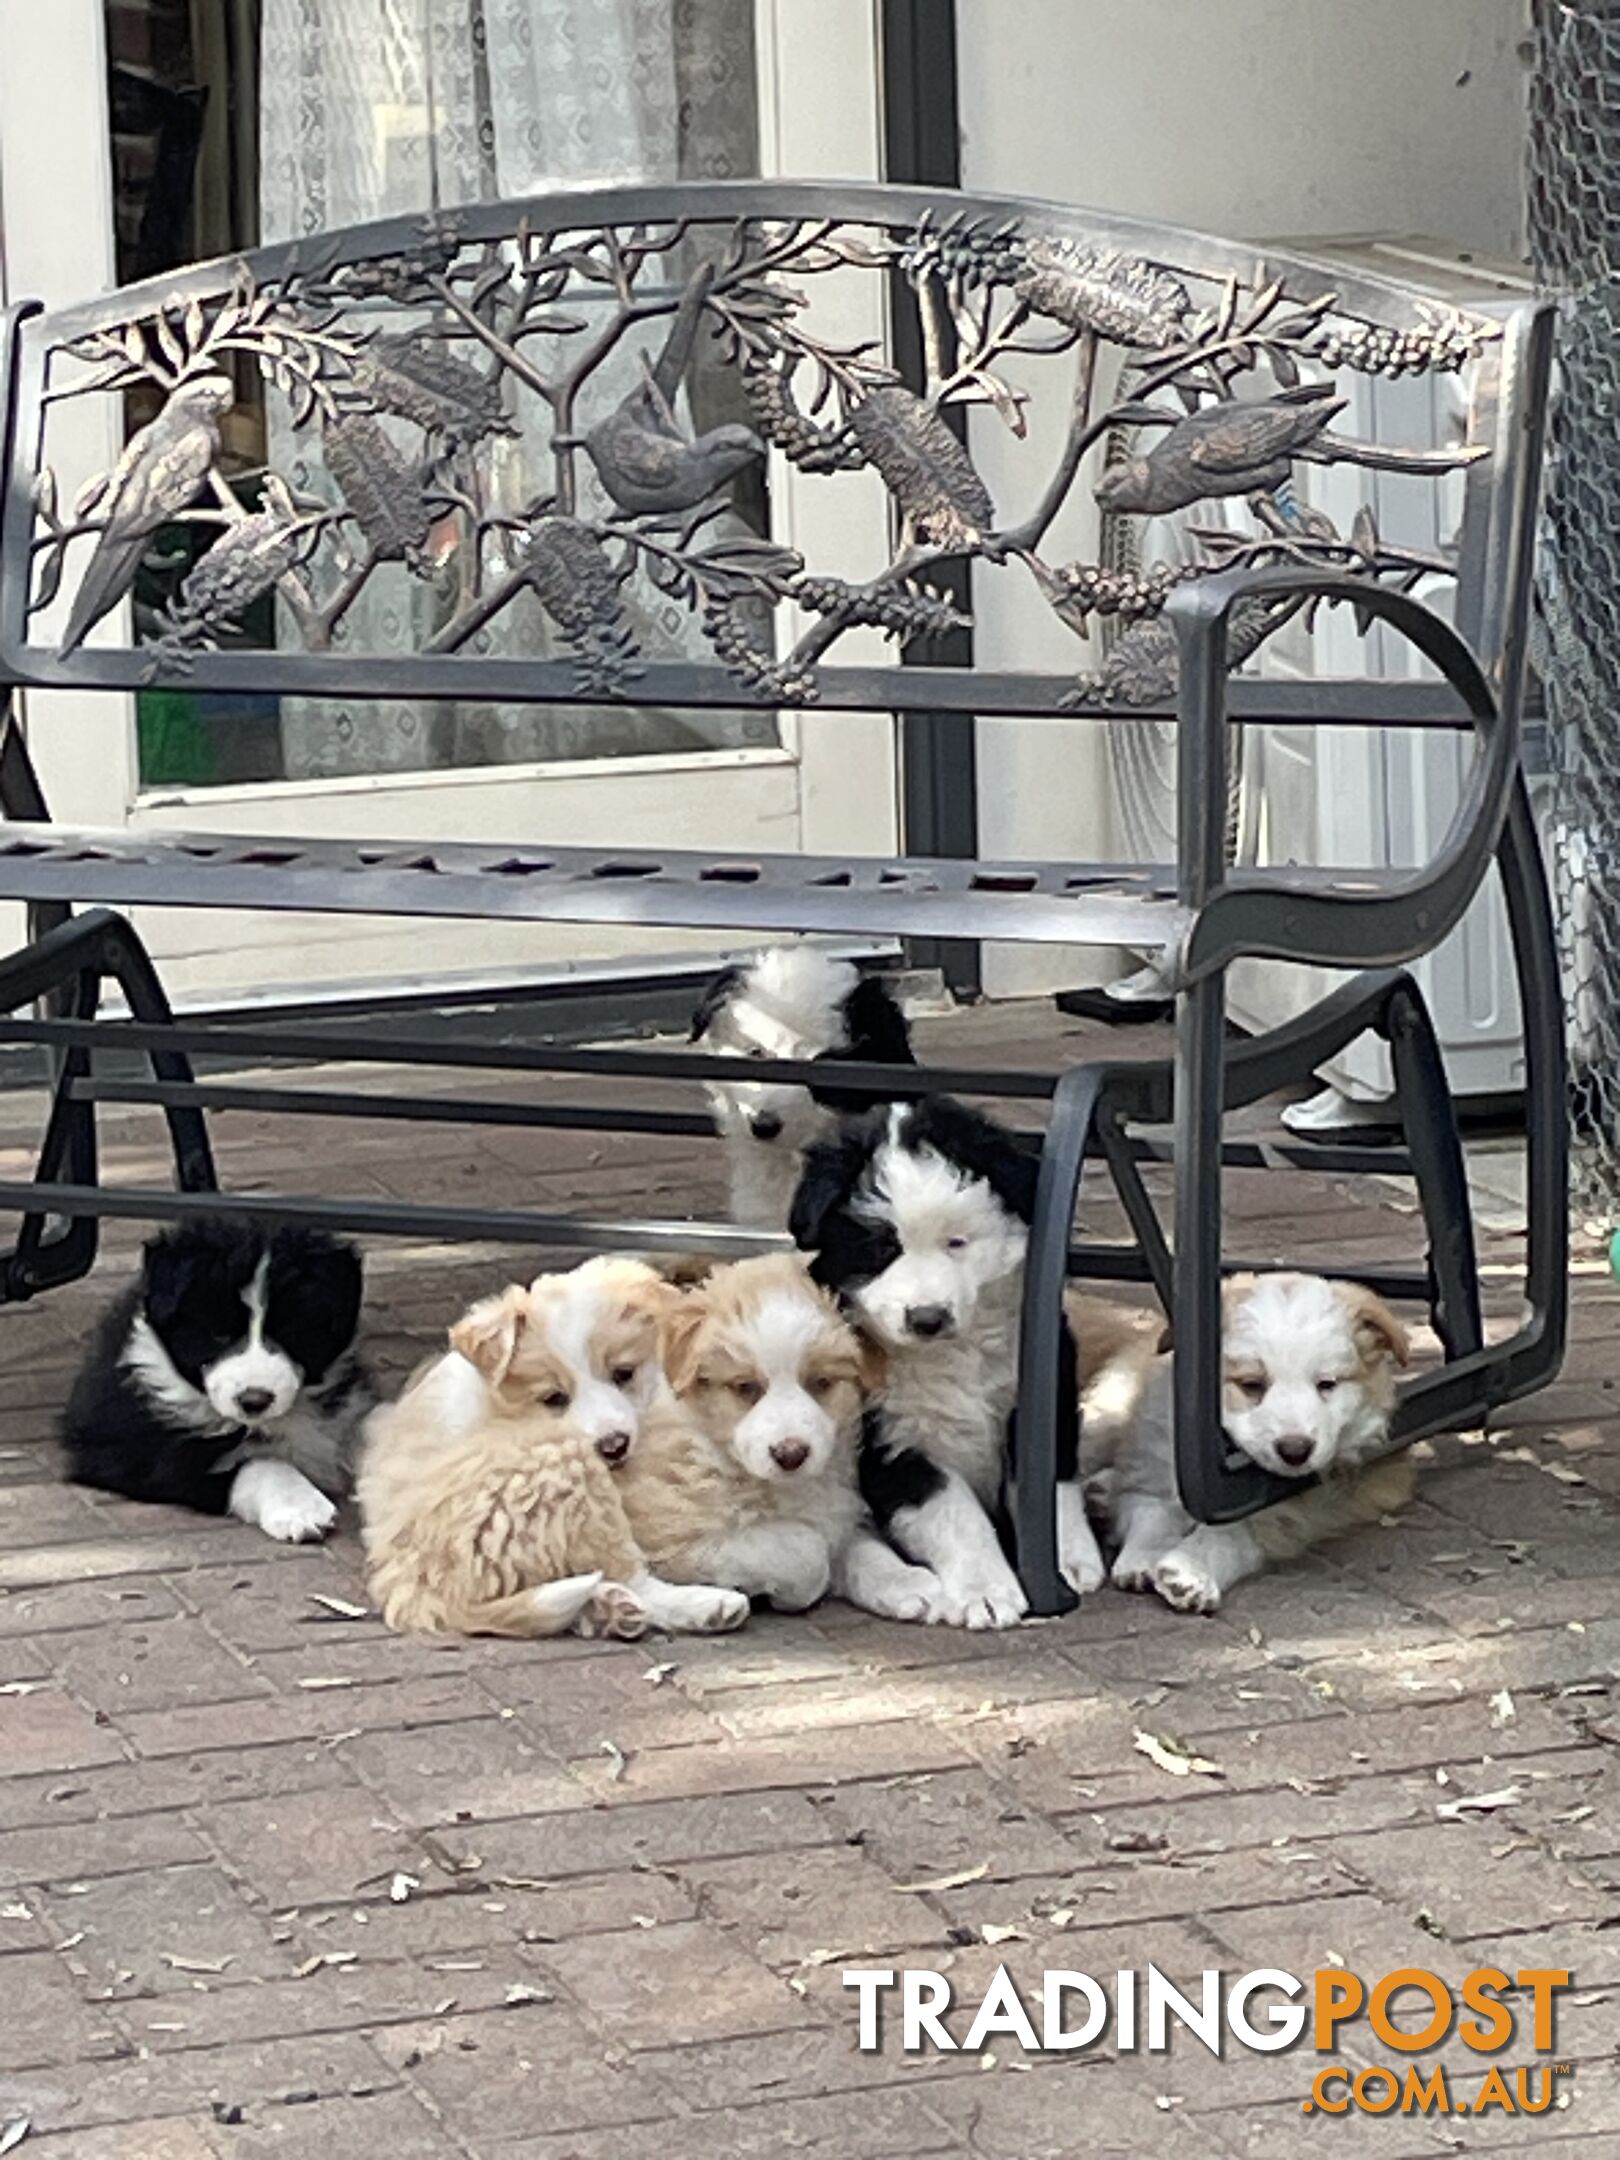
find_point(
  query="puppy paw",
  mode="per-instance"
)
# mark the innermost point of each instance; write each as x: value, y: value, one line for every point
x: 1131, y: 1575
x: 989, y: 1601
x: 726, y: 1611
x: 1080, y: 1563
x: 912, y: 1594
x: 612, y: 1614
x: 1185, y: 1586
x: 281, y: 1502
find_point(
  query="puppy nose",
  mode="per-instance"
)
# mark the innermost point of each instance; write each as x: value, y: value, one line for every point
x: 1296, y: 1451
x: 613, y: 1447
x: 767, y: 1126
x: 254, y: 1401
x: 927, y: 1320
x: 790, y: 1454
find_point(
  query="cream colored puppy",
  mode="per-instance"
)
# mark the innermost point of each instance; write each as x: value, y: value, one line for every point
x: 1308, y: 1384
x: 747, y: 1476
x: 488, y: 1492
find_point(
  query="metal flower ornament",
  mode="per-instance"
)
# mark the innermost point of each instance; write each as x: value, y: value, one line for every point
x: 420, y: 376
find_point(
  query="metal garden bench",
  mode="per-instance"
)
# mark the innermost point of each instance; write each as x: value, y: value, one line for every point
x: 403, y: 352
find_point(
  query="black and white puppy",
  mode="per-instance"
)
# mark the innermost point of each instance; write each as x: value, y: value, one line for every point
x: 791, y: 1001
x: 225, y: 1378
x: 917, y: 1216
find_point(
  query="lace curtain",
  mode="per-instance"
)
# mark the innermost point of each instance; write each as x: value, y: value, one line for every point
x: 373, y: 108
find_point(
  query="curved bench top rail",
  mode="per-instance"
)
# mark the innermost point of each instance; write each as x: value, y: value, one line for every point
x: 485, y: 421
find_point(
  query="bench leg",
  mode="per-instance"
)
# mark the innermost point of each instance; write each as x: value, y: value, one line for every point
x: 1423, y: 1097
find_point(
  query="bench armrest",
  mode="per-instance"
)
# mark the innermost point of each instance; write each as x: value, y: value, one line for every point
x: 1333, y: 919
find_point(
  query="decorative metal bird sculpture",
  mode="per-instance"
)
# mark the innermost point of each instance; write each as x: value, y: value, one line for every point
x: 1245, y: 447
x: 163, y: 466
x: 644, y: 461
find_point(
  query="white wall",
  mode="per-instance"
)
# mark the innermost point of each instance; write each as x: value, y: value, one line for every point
x: 1257, y: 119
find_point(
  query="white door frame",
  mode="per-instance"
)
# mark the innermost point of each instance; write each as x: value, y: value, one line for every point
x: 830, y: 784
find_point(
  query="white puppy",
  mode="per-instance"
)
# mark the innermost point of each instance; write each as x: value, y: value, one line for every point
x: 1308, y: 1385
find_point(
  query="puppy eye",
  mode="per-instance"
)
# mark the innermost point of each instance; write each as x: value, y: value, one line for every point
x: 554, y: 1399
x: 956, y: 1244
x: 822, y: 1385
x: 1253, y: 1391
x: 748, y: 1391
x: 622, y: 1375
x: 1326, y: 1387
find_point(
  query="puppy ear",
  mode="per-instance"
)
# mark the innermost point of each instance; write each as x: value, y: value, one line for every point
x: 679, y: 1327
x: 488, y: 1335
x: 827, y: 1178
x: 715, y: 994
x: 877, y: 1027
x: 1378, y: 1333
x: 874, y: 1364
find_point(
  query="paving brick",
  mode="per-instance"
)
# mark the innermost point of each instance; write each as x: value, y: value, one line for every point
x: 383, y: 2126
x: 71, y: 1852
x: 119, y: 1602
x: 1149, y: 1887
x: 818, y: 1905
x: 48, y: 1730
x: 253, y: 2076
x: 160, y: 1667
x: 573, y: 1705
x: 539, y: 2064
x: 272, y: 1607
x: 164, y: 1931
x: 312, y: 1848
x: 178, y: 1781
x: 599, y: 1840
x: 32, y: 1516
x: 890, y: 2126
x: 942, y: 1693
x: 310, y: 1715
x: 46, y: 2022
x: 922, y: 1828
x: 178, y: 2138
x: 463, y: 1773
x: 1462, y: 1874
x: 735, y: 1766
x: 1099, y: 2108
x: 668, y: 1986
x: 487, y: 1910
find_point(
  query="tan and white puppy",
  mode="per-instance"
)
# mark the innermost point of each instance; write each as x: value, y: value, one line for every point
x: 488, y: 1492
x: 1307, y: 1387
x: 751, y: 1481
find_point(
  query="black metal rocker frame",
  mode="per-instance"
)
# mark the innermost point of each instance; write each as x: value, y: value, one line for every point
x: 1203, y: 913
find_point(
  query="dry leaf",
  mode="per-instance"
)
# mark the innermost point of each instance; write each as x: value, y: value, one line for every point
x: 1563, y: 1473
x: 656, y: 1675
x: 326, y: 1957
x: 1503, y: 1710
x: 22, y: 1687
x: 14, y: 2133
x: 946, y: 1882
x: 195, y: 1965
x: 1168, y: 1753
x: 328, y: 1680
x: 993, y: 1933
x: 1478, y: 1804
x: 521, y: 1992
x: 401, y: 1886
x: 618, y: 1760
x: 341, y: 1608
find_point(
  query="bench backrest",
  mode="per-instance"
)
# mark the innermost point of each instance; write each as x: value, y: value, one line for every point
x: 528, y: 421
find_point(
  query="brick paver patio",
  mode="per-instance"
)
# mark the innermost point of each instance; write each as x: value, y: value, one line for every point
x: 274, y: 1882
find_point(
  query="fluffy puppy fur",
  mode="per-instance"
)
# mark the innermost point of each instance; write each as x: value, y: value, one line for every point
x: 918, y: 1216
x: 752, y: 1480
x: 1307, y: 1387
x: 790, y: 1002
x: 488, y: 1492
x: 225, y: 1378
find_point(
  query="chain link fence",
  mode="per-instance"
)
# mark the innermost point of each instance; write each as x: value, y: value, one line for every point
x: 1574, y: 208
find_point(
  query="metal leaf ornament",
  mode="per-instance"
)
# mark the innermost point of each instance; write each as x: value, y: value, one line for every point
x: 925, y: 468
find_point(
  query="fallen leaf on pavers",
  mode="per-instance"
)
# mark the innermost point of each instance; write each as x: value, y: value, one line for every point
x: 994, y: 1934
x: 1575, y: 1815
x: 327, y: 1957
x: 1138, y: 1841
x: 340, y: 1608
x: 23, y: 1687
x: 656, y: 1675
x: 520, y: 1992
x: 14, y: 2133
x: 1478, y: 1803
x: 1061, y: 1918
x: 15, y: 1912
x: 946, y: 1882
x: 1563, y: 1473
x: 1169, y: 1754
x: 328, y: 1680
x: 618, y: 1760
x: 1425, y: 1920
x: 1503, y: 1710
x: 401, y: 1886
x: 184, y: 1964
